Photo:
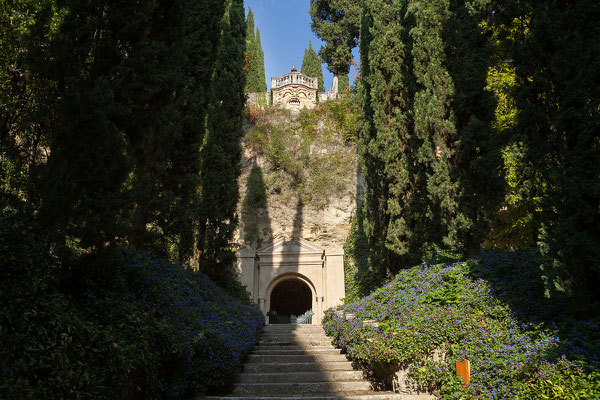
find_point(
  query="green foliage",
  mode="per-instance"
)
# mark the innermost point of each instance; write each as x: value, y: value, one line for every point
x: 345, y: 113
x: 311, y: 66
x: 26, y: 28
x: 431, y: 162
x: 343, y: 83
x: 558, y: 122
x: 385, y: 144
x: 563, y: 381
x: 261, y: 64
x: 121, y: 127
x: 337, y: 23
x: 493, y: 311
x: 307, y: 156
x: 359, y: 280
x: 104, y: 135
x: 255, y: 58
x: 221, y: 151
x: 150, y: 332
x: 449, y: 291
x: 514, y: 225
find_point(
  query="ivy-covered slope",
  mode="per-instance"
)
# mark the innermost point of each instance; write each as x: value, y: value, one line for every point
x: 493, y: 311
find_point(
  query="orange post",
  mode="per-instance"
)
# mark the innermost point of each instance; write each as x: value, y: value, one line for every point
x: 463, y: 369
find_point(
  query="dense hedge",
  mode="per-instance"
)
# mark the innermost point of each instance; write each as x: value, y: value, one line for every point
x: 156, y: 330
x: 495, y: 311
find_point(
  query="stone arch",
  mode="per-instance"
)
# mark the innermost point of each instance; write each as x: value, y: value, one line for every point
x: 322, y: 270
x: 291, y: 276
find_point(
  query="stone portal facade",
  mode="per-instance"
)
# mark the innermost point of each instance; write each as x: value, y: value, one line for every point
x: 294, y: 91
x: 321, y: 271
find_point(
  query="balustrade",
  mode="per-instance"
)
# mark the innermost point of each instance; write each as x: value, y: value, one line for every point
x: 294, y: 78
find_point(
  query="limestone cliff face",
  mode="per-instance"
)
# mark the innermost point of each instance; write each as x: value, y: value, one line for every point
x: 299, y: 179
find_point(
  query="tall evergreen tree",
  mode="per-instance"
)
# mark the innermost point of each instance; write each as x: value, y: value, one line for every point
x: 343, y: 82
x: 261, y: 64
x: 221, y: 150
x: 152, y: 80
x: 337, y: 23
x: 556, y: 60
x: 385, y: 140
x: 250, y: 37
x: 477, y: 160
x: 139, y: 109
x: 82, y: 185
x: 311, y: 66
x: 430, y: 164
x: 201, y: 48
x: 255, y: 64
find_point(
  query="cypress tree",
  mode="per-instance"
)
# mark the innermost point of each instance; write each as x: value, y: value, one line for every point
x: 434, y: 128
x: 260, y: 57
x: 221, y: 150
x: 250, y: 55
x: 337, y: 23
x: 343, y: 82
x: 142, y: 118
x: 311, y: 66
x: 255, y: 64
x: 82, y: 185
x: 201, y: 49
x: 477, y: 160
x: 430, y: 163
x: 385, y: 138
x: 152, y: 79
x: 558, y: 116
x: 250, y: 38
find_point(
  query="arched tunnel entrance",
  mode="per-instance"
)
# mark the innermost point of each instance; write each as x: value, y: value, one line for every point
x: 289, y: 297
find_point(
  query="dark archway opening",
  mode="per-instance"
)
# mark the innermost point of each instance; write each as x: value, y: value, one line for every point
x: 291, y: 297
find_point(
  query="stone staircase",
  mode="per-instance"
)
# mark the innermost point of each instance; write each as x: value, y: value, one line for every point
x: 299, y: 362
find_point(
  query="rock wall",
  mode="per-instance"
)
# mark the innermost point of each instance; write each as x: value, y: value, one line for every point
x: 283, y: 214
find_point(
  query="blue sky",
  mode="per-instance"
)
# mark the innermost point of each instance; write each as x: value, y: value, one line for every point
x: 284, y: 32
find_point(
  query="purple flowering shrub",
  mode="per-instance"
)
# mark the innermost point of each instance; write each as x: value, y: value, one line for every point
x: 491, y: 311
x: 133, y: 327
x: 215, y: 330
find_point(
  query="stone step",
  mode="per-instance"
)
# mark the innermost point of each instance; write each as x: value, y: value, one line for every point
x: 302, y: 335
x: 296, y: 376
x: 294, y: 331
x: 299, y: 346
x: 292, y: 341
x: 299, y: 338
x: 302, y: 358
x: 292, y: 327
x: 298, y: 367
x: 297, y: 388
x: 369, y: 395
x: 294, y: 362
x: 289, y: 352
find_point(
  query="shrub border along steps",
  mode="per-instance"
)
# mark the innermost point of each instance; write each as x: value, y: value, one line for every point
x: 299, y: 362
